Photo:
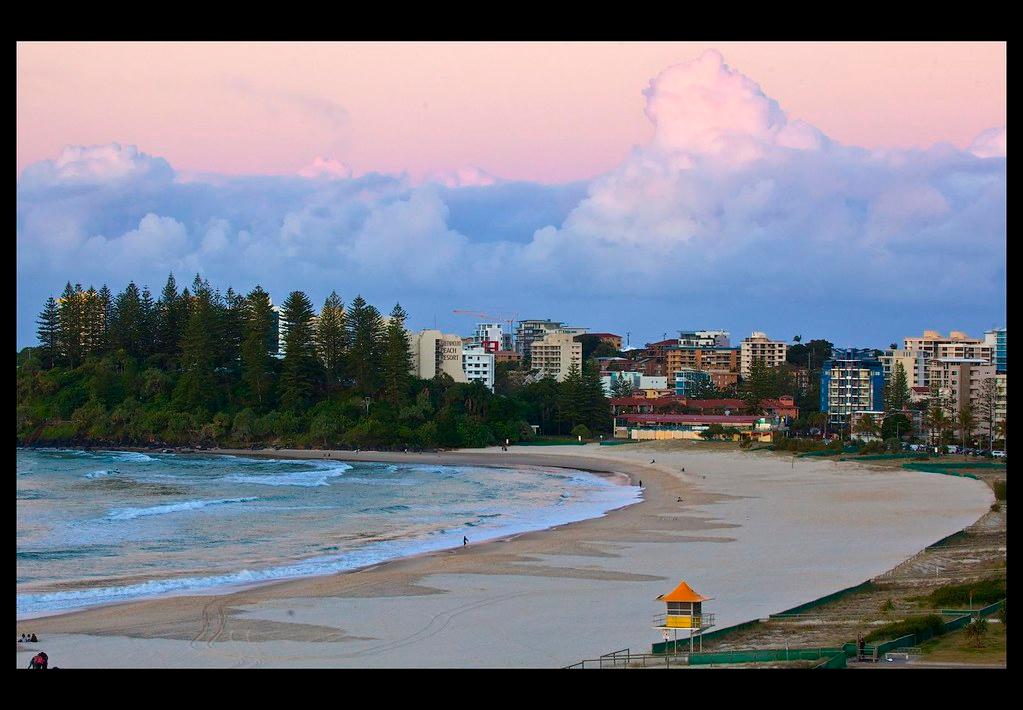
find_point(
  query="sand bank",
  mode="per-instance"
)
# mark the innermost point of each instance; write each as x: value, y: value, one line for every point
x: 760, y: 533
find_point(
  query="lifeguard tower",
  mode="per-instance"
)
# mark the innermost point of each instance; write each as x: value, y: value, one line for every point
x: 684, y: 612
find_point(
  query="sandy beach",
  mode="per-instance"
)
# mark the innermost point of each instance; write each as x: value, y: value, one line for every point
x: 758, y: 532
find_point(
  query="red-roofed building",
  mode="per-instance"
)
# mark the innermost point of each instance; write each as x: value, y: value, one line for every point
x: 690, y: 426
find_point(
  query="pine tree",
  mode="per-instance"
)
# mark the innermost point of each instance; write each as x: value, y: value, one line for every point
x: 257, y: 368
x: 366, y: 335
x: 49, y: 333
x: 106, y: 301
x: 70, y: 319
x: 757, y: 387
x: 169, y: 321
x: 234, y: 316
x: 597, y: 406
x: 147, y: 323
x: 896, y: 390
x: 129, y: 327
x: 302, y: 373
x: 397, y: 361
x: 197, y: 386
x: 332, y: 340
x: 571, y: 398
x: 92, y: 322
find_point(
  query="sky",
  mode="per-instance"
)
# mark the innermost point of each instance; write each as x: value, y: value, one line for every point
x: 852, y: 191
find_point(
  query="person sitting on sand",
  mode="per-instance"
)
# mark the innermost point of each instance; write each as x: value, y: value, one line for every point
x: 21, y: 638
x: 651, y: 460
x: 34, y: 639
x: 39, y: 660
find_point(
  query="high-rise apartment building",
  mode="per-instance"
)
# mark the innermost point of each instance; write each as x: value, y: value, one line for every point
x: 478, y: 365
x: 996, y: 339
x: 956, y: 345
x: 852, y: 380
x: 555, y: 354
x: 914, y: 362
x: 434, y: 352
x: 703, y: 338
x: 759, y: 347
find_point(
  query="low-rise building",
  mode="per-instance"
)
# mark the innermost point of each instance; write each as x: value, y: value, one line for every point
x: 507, y: 356
x: 759, y: 347
x: 691, y: 426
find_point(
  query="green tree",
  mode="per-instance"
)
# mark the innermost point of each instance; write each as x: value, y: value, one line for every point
x: 966, y: 422
x: 758, y: 386
x: 332, y: 340
x: 171, y: 314
x: 48, y: 333
x: 366, y: 335
x: 987, y: 409
x: 302, y: 373
x: 596, y: 405
x: 896, y: 395
x: 257, y: 363
x: 129, y: 329
x: 571, y: 398
x: 71, y: 320
x: 867, y: 426
x: 197, y: 386
x: 895, y: 426
x: 397, y: 360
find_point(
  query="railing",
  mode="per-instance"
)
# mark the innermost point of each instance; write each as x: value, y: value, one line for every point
x: 633, y: 660
x: 698, y: 621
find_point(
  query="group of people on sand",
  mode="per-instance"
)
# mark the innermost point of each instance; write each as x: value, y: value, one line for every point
x: 26, y: 638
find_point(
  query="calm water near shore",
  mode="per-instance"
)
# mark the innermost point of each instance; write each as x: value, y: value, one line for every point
x: 104, y: 526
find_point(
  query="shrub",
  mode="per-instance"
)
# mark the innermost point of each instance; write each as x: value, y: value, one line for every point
x: 581, y: 430
x: 957, y: 596
x: 923, y: 626
x: 999, y: 487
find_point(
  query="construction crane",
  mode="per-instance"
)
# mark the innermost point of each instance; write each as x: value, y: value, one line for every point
x: 505, y: 318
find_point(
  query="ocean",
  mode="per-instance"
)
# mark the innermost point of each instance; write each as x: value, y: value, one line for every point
x: 96, y: 527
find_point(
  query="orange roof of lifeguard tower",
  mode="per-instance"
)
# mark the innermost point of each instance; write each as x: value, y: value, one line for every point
x: 683, y: 593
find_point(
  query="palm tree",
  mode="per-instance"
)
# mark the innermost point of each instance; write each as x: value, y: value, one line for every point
x: 966, y: 421
x: 866, y: 425
x: 936, y: 420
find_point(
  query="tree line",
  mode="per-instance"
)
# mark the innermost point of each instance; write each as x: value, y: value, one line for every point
x: 201, y: 366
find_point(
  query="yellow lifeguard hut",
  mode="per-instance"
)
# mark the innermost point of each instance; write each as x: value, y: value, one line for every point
x: 684, y: 611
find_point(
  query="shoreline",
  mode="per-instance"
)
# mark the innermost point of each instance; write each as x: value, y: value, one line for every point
x: 599, y: 558
x: 441, y: 459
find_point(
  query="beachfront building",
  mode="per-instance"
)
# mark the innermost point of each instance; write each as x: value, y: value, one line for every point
x: 489, y: 336
x: 683, y: 611
x: 555, y: 354
x: 759, y: 347
x: 688, y: 382
x: 478, y: 365
x: 507, y: 355
x: 956, y: 345
x: 644, y: 427
x: 721, y: 363
x: 996, y: 339
x: 960, y: 380
x: 434, y: 353
x: 914, y: 362
x: 530, y: 331
x: 703, y: 338
x: 851, y: 381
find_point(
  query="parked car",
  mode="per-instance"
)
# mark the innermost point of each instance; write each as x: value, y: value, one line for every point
x: 998, y: 454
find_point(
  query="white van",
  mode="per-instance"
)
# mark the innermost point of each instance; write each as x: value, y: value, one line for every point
x: 998, y: 454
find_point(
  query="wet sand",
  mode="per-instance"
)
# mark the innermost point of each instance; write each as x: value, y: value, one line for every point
x: 759, y: 533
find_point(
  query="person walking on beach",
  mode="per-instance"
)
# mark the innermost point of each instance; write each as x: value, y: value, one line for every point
x: 465, y: 541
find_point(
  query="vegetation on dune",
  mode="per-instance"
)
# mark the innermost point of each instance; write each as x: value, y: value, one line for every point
x: 911, y: 625
x: 957, y: 596
x: 196, y: 367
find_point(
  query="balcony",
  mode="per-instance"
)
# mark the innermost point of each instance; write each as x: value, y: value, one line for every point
x: 684, y: 621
